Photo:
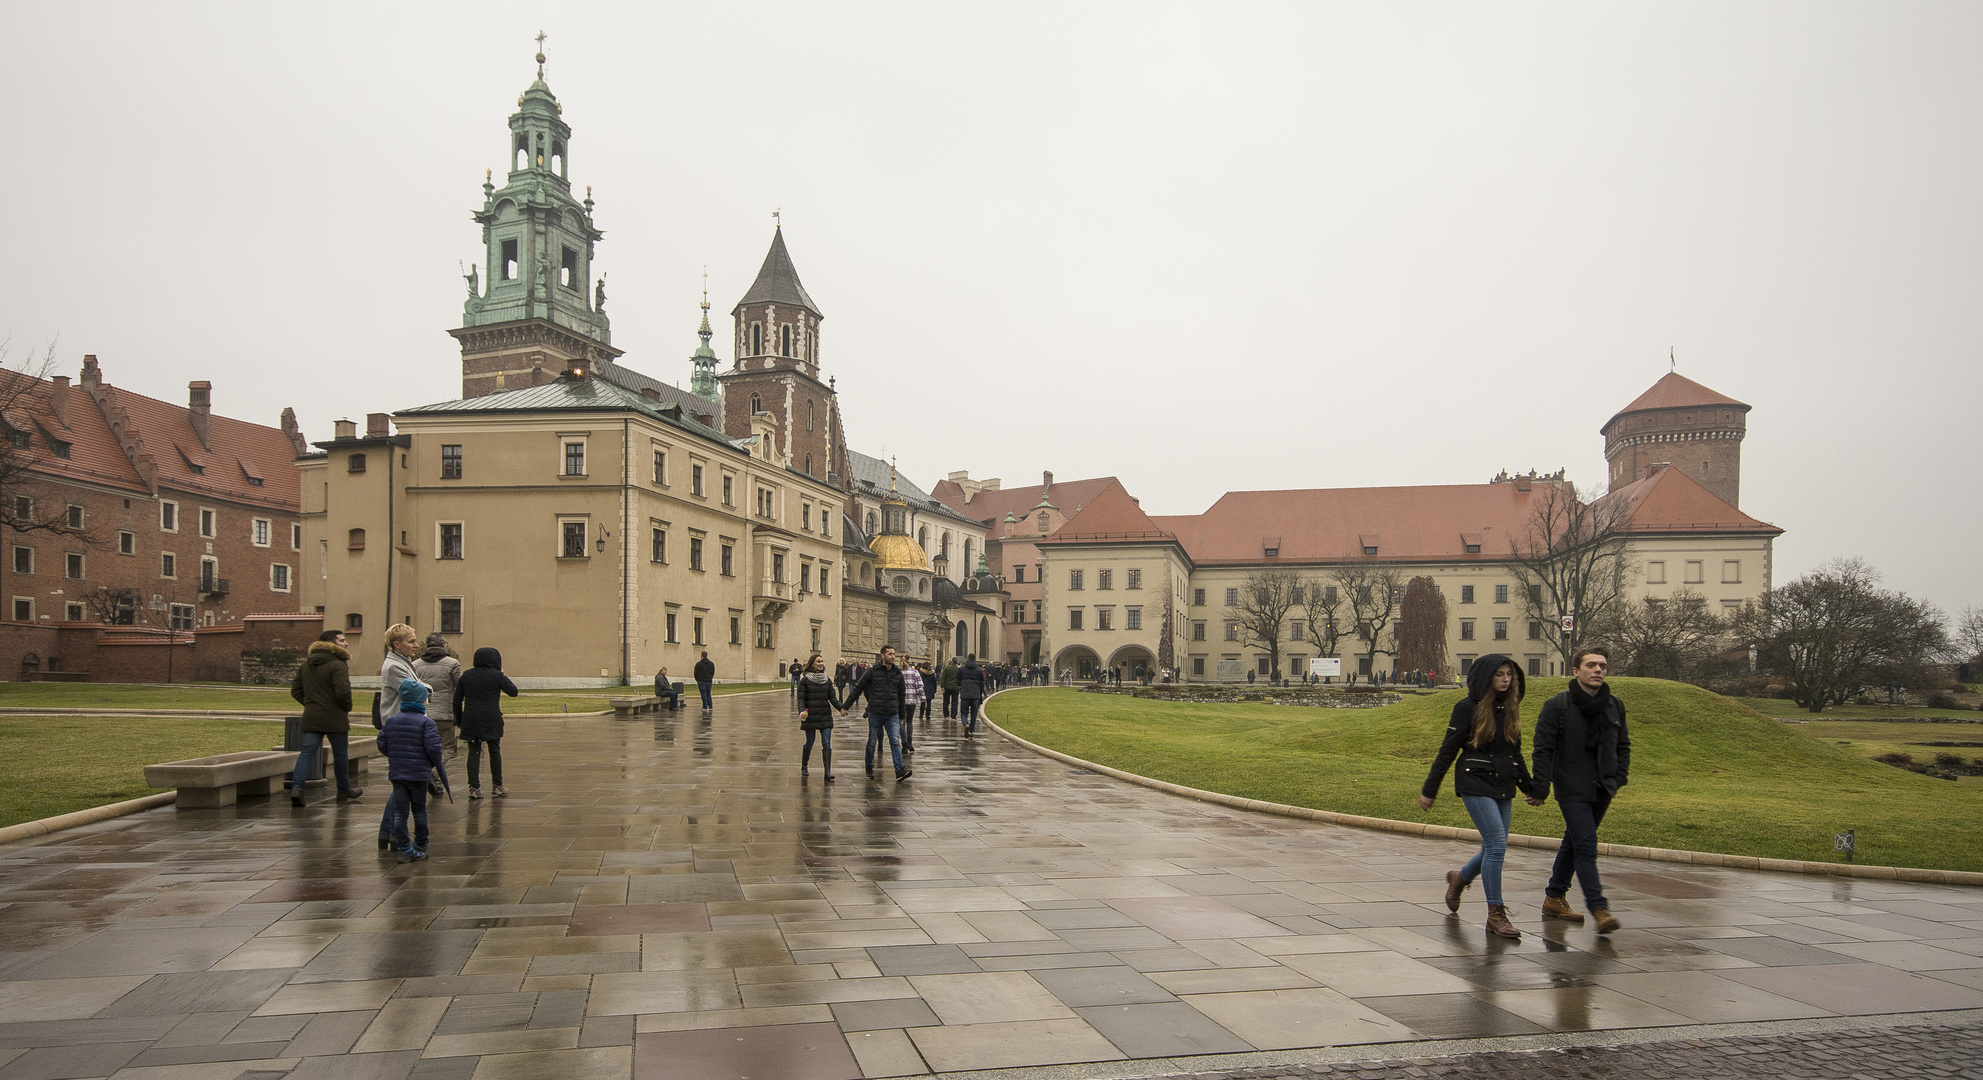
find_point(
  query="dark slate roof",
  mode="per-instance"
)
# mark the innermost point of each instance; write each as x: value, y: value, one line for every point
x: 568, y: 394
x: 777, y: 281
x: 629, y: 379
x: 853, y: 538
x: 870, y: 477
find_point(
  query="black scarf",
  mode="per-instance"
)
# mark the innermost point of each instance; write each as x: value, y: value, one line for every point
x: 1596, y: 709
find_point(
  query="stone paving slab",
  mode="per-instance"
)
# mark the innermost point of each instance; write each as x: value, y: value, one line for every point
x: 669, y: 897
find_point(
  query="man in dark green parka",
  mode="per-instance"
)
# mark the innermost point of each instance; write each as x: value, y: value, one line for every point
x: 323, y: 687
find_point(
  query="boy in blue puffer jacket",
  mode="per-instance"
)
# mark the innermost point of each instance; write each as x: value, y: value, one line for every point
x: 412, y: 744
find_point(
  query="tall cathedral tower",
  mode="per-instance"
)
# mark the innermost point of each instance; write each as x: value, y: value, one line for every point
x: 1682, y: 424
x: 533, y: 310
x: 777, y: 370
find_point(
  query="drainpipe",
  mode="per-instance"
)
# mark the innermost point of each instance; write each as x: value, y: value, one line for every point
x: 626, y: 551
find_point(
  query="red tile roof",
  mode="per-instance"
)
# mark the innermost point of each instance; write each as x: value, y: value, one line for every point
x: 1671, y: 501
x: 239, y: 451
x: 1112, y: 515
x: 1676, y: 391
x: 1067, y: 495
x: 1334, y: 524
x: 94, y: 456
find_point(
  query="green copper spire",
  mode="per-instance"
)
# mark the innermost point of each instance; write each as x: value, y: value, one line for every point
x: 537, y: 236
x: 704, y: 383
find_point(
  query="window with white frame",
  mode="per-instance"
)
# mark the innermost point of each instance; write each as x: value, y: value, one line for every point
x: 209, y: 522
x: 168, y: 516
x: 278, y: 577
x: 571, y: 538
x: 449, y: 614
x: 296, y: 536
x: 259, y: 533
x: 127, y: 543
x: 448, y: 540
x: 574, y: 457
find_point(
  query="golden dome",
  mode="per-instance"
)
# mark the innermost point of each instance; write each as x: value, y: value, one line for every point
x: 898, y: 552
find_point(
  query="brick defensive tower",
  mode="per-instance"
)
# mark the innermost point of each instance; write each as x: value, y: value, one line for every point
x: 1679, y: 422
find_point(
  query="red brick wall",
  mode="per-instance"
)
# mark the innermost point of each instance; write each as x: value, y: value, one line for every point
x: 261, y: 646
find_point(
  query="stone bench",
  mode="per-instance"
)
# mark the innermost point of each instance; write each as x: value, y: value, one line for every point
x: 627, y: 708
x: 223, y: 779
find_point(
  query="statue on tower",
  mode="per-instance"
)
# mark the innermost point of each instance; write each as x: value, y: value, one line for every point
x: 599, y: 294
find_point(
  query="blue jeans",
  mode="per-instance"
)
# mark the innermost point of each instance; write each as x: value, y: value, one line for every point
x: 706, y: 703
x: 1578, y: 852
x: 1490, y: 816
x: 408, y: 795
x: 340, y: 743
x: 876, y: 726
x: 969, y: 712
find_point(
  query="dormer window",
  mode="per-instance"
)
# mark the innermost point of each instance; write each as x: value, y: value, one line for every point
x: 1369, y: 549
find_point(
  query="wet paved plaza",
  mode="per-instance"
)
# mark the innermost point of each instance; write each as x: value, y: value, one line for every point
x: 668, y: 898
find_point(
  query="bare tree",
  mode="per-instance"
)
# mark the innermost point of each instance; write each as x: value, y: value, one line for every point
x: 1322, y: 604
x: 1675, y: 638
x: 1166, y: 647
x: 1372, y: 590
x: 29, y: 439
x: 1422, y: 627
x: 1573, y: 564
x: 1968, y: 636
x: 1266, y: 598
x: 1834, y: 632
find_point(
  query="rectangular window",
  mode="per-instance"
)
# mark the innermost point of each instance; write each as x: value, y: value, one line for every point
x: 1656, y: 572
x: 660, y: 466
x: 1232, y: 631
x: 1500, y: 629
x: 509, y: 260
x: 23, y: 508
x: 23, y: 560
x: 697, y: 627
x: 1036, y: 611
x: 1198, y: 631
x: 1018, y: 574
x: 355, y: 463
x: 671, y: 628
x: 450, y: 621
x: 127, y: 543
x: 168, y: 516
x: 450, y: 540
x: 1073, y: 580
x: 573, y: 540
x: 73, y: 566
x: 354, y: 622
x: 1731, y: 572
x: 1263, y: 668
x: 210, y: 576
x: 1018, y: 611
x: 23, y: 609
x: 1501, y: 594
x: 660, y: 545
x: 1104, y: 579
x: 695, y: 552
x: 450, y: 461
x: 1104, y: 618
x: 805, y: 517
x: 1535, y: 595
x: 1328, y: 594
x: 208, y: 522
x: 168, y: 565
x: 76, y: 518
x: 1132, y: 618
x: 823, y: 569
x: 1297, y: 630
x: 278, y: 578
x: 181, y: 616
x: 1294, y: 594
x: 1198, y: 666
x: 1696, y: 572
x: 1466, y: 629
x: 1074, y: 618
x: 1232, y: 597
x: 1535, y: 630
x: 1198, y: 599
x: 729, y: 489
x: 729, y: 561
x: 777, y: 567
x: 764, y: 635
x: 260, y: 535
x: 296, y: 536
x: 574, y: 459
x: 1535, y: 665
x: 1466, y: 594
x: 695, y: 479
x: 736, y: 630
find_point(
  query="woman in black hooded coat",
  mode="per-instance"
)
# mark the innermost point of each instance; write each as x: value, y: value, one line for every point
x: 816, y: 704
x: 478, y: 712
x: 1485, y: 735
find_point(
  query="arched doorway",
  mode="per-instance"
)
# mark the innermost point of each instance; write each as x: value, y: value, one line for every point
x: 1134, y: 661
x: 1079, y: 659
x: 963, y: 638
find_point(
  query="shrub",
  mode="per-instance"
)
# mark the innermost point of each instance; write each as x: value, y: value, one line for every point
x: 1942, y: 699
x: 1896, y: 757
x: 1948, y: 760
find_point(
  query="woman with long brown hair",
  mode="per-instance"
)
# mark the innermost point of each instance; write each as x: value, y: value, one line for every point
x: 1485, y: 736
x: 817, y: 702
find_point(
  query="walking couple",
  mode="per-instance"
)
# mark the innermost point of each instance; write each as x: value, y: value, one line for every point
x: 1581, y: 746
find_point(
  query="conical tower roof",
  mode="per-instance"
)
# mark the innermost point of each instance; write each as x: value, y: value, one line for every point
x: 777, y: 280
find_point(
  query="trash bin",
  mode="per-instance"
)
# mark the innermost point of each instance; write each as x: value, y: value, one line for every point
x: 292, y: 741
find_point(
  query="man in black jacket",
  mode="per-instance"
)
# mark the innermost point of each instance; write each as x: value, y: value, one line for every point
x: 705, y: 673
x: 882, y: 684
x: 1583, y: 748
x: 970, y: 687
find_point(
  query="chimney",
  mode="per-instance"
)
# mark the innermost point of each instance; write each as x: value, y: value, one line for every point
x: 705, y: 419
x: 1523, y: 483
x: 377, y: 425
x: 294, y: 432
x: 199, y: 409
x: 1046, y: 479
x: 58, y: 399
x: 347, y: 429
x: 650, y: 394
x: 92, y: 375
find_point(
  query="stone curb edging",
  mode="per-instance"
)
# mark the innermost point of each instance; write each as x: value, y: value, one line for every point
x: 28, y: 829
x: 1547, y: 843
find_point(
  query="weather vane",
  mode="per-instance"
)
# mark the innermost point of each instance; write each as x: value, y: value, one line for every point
x: 1672, y: 364
x: 775, y: 222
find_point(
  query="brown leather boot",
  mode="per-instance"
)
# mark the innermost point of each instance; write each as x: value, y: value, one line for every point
x: 1555, y: 907
x: 1498, y: 924
x: 1606, y: 922
x: 1454, y: 887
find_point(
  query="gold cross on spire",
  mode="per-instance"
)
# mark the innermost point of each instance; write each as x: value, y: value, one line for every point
x: 705, y: 289
x: 540, y: 53
x: 891, y: 474
x: 775, y: 222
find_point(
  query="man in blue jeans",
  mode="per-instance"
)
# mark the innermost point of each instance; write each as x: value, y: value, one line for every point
x: 882, y: 684
x: 705, y: 673
x: 1583, y: 748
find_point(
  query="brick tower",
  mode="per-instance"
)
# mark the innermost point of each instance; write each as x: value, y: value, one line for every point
x: 777, y: 370
x: 1679, y: 422
x: 537, y: 313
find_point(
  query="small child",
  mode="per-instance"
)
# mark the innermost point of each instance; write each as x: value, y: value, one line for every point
x: 412, y: 744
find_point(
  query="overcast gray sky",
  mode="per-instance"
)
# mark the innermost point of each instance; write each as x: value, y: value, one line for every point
x: 1200, y: 247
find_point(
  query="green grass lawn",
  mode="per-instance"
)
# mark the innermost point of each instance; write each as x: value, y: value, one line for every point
x: 1871, y: 738
x: 1708, y: 773
x: 1789, y: 710
x: 55, y: 765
